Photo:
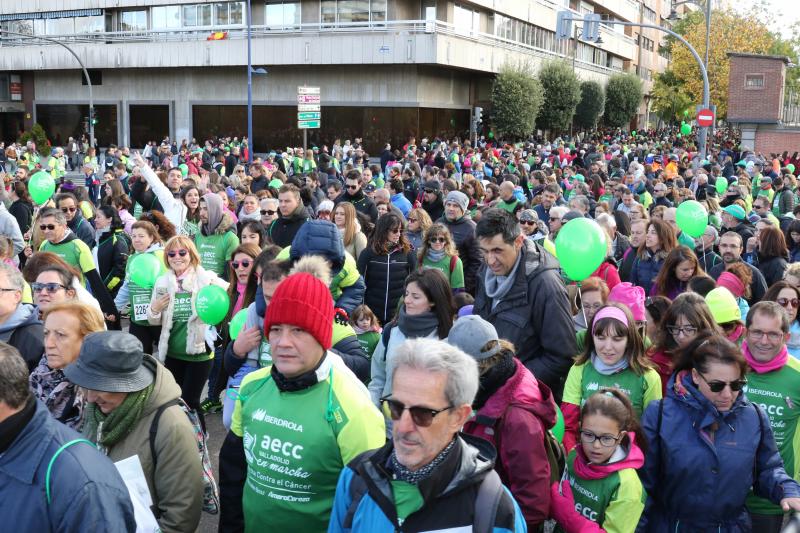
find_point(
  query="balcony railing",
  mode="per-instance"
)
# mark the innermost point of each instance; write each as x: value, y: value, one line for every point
x: 408, y: 27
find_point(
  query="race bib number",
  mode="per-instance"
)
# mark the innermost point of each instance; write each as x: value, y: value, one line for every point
x: 141, y: 305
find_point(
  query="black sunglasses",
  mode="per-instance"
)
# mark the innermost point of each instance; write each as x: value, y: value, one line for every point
x: 352, y: 187
x: 173, y: 253
x: 48, y: 287
x: 237, y: 264
x: 528, y: 222
x: 269, y: 212
x: 719, y: 386
x: 421, y: 416
x: 437, y: 239
x: 44, y: 227
x: 68, y: 209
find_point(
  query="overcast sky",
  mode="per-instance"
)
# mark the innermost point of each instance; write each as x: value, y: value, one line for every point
x: 786, y: 11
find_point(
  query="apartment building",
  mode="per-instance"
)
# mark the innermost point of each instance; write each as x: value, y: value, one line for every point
x: 386, y: 69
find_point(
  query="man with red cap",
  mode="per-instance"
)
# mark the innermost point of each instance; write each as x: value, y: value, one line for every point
x: 296, y: 423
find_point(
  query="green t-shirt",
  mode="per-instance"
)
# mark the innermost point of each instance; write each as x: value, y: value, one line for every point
x: 508, y: 206
x: 778, y: 394
x: 454, y: 276
x: 75, y: 252
x: 615, y: 502
x: 215, y: 250
x: 296, y: 444
x: 584, y: 380
x: 369, y: 340
x: 181, y: 312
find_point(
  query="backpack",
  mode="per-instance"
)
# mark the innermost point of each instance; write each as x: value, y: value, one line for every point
x: 210, y: 489
x: 555, y: 451
x: 487, y: 501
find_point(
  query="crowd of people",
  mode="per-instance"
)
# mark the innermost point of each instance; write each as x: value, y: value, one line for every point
x: 402, y: 350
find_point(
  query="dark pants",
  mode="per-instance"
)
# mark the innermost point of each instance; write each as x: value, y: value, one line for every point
x: 147, y: 335
x: 214, y: 377
x: 767, y: 523
x: 191, y: 378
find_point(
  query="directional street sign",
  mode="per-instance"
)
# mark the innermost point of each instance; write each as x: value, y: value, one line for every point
x: 308, y: 107
x: 309, y: 115
x: 308, y: 99
x: 307, y: 124
x: 705, y: 118
x: 309, y: 112
x: 308, y: 90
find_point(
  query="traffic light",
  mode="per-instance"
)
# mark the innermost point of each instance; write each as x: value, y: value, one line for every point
x: 564, y: 25
x: 591, y: 27
x: 478, y: 116
x: 93, y: 116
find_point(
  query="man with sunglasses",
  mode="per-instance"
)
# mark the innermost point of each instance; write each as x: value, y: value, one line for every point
x: 19, y: 322
x: 68, y: 204
x: 352, y: 193
x: 429, y: 476
x: 774, y: 384
x: 269, y: 211
x: 297, y: 422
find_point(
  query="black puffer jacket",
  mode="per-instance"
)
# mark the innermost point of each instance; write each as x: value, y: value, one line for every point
x: 385, y: 276
x: 112, y: 256
x: 772, y: 268
x: 82, y: 229
x: 463, y: 232
x: 283, y: 229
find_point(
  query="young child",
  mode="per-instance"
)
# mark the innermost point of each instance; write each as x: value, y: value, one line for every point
x: 7, y: 250
x: 603, y: 492
x: 367, y: 328
x: 614, y: 356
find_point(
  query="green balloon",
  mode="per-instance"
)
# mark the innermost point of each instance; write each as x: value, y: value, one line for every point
x: 633, y: 133
x: 184, y: 168
x: 692, y: 218
x: 144, y: 269
x: 558, y: 429
x: 491, y: 135
x: 721, y: 185
x: 237, y: 323
x: 686, y: 129
x: 212, y: 304
x: 581, y: 247
x: 790, y: 166
x: 41, y: 187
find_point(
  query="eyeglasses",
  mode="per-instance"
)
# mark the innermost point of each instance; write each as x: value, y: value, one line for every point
x: 593, y: 307
x: 2, y: 289
x: 269, y: 212
x: 47, y: 287
x: 421, y: 416
x: 555, y: 219
x: 528, y: 222
x: 719, y: 386
x: 173, y: 253
x: 783, y: 302
x: 434, y: 240
x: 678, y: 330
x: 45, y: 227
x: 352, y: 187
x: 243, y: 264
x: 68, y: 209
x: 772, y: 336
x: 429, y: 191
x: 587, y: 437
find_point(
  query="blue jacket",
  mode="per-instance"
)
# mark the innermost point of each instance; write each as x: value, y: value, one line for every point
x: 320, y: 237
x: 401, y: 202
x: 697, y: 482
x: 645, y: 270
x: 87, y: 492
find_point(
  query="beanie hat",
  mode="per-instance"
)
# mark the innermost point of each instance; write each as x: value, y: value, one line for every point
x: 723, y: 305
x: 736, y: 212
x: 434, y: 185
x: 732, y: 283
x: 459, y: 198
x: 303, y: 301
x: 470, y: 334
x: 629, y: 295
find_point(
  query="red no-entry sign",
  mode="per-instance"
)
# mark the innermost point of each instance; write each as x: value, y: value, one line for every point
x: 705, y: 117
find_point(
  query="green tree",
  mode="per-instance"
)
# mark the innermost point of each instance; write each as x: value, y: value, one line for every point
x: 623, y: 96
x: 669, y: 100
x: 593, y: 101
x: 37, y: 135
x: 562, y: 92
x: 517, y: 97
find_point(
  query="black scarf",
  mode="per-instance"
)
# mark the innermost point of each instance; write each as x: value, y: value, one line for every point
x: 415, y: 477
x: 303, y: 381
x: 415, y: 326
x: 494, y: 378
x: 11, y: 427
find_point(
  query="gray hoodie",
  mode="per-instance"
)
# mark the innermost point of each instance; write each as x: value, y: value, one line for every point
x: 26, y: 329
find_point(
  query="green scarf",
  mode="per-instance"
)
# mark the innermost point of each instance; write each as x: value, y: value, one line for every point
x: 107, y: 430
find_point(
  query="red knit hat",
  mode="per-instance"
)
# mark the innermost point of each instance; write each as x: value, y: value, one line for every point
x: 303, y: 301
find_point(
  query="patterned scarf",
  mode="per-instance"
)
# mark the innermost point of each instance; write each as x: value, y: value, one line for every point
x: 119, y: 422
x: 64, y: 400
x: 416, y: 477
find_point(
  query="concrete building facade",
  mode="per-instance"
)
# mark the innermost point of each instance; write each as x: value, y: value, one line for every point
x: 386, y: 69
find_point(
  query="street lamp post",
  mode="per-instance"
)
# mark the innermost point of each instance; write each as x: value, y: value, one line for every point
x: 702, y: 138
x: 250, y: 72
x: 78, y: 59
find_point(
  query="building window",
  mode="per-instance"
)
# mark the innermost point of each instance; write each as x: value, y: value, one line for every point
x: 649, y: 14
x: 198, y: 15
x: 133, y: 20
x: 754, y: 81
x: 282, y: 15
x: 468, y: 21
x: 92, y: 24
x: 166, y: 17
x: 359, y: 11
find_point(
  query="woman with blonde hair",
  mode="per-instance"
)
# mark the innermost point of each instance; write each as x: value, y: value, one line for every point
x: 418, y: 223
x: 65, y: 326
x: 346, y: 220
x: 439, y: 251
x: 182, y: 343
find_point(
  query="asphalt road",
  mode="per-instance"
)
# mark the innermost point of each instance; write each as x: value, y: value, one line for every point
x: 216, y: 435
